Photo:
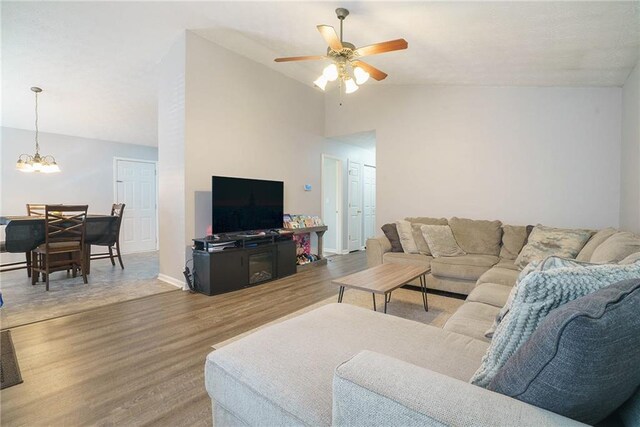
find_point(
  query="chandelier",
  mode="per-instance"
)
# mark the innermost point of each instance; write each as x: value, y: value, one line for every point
x: 37, y: 162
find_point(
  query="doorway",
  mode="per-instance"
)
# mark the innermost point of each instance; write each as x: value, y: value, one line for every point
x: 332, y: 203
x: 135, y: 185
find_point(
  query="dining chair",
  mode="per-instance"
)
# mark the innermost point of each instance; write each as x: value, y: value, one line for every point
x: 33, y: 209
x: 112, y: 242
x: 63, y: 249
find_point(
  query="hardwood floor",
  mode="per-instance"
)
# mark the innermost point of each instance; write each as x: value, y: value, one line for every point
x: 141, y: 362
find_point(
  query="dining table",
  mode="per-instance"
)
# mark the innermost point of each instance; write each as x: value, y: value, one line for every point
x: 25, y: 233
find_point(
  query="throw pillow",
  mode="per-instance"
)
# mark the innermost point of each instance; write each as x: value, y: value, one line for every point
x: 545, y: 241
x: 513, y: 238
x: 421, y: 243
x: 405, y: 232
x: 548, y: 263
x: 391, y: 232
x: 582, y: 361
x: 535, y: 296
x: 477, y: 236
x: 441, y: 241
x: 596, y: 240
x: 616, y: 248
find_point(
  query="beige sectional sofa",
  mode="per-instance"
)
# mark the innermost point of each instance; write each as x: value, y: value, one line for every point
x: 345, y: 365
x: 489, y: 245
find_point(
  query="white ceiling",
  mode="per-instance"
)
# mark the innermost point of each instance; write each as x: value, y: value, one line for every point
x: 97, y: 61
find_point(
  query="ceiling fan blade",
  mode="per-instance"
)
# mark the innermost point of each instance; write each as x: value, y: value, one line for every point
x: 331, y: 37
x: 373, y: 71
x: 376, y: 48
x: 300, y: 58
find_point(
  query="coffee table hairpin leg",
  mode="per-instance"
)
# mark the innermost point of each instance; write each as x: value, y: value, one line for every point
x: 423, y: 290
x: 340, y: 293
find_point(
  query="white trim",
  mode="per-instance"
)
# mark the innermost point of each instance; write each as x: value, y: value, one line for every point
x: 339, y: 201
x: 115, y: 189
x: 173, y: 281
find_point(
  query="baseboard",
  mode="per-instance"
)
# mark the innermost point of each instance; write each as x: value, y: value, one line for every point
x: 173, y: 281
x: 345, y: 251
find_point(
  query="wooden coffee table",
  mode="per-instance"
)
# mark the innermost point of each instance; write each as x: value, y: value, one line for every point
x: 384, y: 279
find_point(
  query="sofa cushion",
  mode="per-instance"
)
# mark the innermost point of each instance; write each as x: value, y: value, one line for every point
x: 502, y: 276
x: 466, y: 267
x: 595, y: 241
x: 405, y: 233
x: 391, y: 232
x: 546, y: 241
x: 441, y: 241
x: 472, y: 319
x: 407, y: 259
x: 477, y: 236
x: 490, y: 293
x: 616, y: 248
x: 582, y: 361
x: 513, y: 239
x: 427, y: 220
x: 534, y: 297
x: 449, y: 284
x: 283, y: 373
x: 508, y: 264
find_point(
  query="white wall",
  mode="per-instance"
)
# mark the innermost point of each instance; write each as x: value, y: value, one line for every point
x: 171, y: 166
x: 331, y: 202
x: 86, y: 176
x: 246, y: 120
x: 630, y: 160
x: 521, y: 155
x: 240, y: 119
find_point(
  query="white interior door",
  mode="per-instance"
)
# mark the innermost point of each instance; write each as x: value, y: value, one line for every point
x: 136, y: 187
x: 369, y: 201
x: 355, y: 206
x: 331, y: 202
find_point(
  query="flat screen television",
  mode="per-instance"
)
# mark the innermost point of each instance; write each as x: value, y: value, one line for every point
x: 246, y: 204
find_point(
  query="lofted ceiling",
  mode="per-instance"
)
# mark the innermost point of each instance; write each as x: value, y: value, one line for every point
x: 97, y: 61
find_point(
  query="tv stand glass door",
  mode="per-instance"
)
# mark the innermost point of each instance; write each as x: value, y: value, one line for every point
x: 261, y: 266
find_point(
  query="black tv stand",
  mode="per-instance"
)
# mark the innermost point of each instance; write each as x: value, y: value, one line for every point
x: 233, y: 262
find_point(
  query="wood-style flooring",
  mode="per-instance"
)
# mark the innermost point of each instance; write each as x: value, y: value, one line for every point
x: 141, y: 362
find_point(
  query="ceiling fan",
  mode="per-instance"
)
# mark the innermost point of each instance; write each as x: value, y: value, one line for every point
x: 345, y: 58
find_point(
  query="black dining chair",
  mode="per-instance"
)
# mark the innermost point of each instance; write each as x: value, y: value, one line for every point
x: 37, y: 210
x: 64, y: 247
x: 112, y: 241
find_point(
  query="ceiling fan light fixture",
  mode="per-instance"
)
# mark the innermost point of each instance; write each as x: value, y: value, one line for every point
x: 330, y: 72
x: 350, y: 86
x: 361, y: 75
x: 321, y: 82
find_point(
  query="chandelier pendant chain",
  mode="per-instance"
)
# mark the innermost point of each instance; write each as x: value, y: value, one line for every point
x: 37, y: 142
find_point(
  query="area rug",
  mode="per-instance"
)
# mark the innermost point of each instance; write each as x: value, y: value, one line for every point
x: 24, y: 303
x: 405, y: 303
x: 9, y: 369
